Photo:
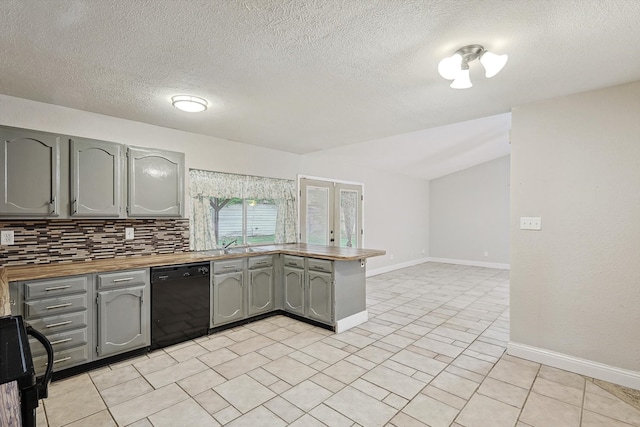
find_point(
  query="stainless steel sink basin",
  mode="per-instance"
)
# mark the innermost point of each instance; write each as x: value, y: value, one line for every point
x: 235, y: 250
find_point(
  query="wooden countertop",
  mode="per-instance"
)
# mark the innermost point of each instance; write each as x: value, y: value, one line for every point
x: 43, y: 271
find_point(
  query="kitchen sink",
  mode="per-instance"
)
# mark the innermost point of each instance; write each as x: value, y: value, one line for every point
x: 236, y: 250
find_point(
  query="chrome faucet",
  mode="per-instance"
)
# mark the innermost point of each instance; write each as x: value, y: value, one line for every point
x: 230, y: 243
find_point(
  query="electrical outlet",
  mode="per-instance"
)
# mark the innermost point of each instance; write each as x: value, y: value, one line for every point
x: 128, y: 233
x: 530, y: 223
x: 7, y: 237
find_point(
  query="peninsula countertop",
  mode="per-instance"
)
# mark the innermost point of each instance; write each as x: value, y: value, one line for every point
x: 70, y: 268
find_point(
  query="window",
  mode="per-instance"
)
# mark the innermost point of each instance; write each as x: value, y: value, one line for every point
x: 240, y: 209
x: 247, y: 221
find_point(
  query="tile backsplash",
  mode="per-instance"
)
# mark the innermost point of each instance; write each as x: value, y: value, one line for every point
x: 55, y: 241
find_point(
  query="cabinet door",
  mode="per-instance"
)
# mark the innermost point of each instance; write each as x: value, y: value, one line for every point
x: 319, y: 296
x: 30, y: 173
x: 156, y: 182
x: 228, y: 297
x: 96, y: 178
x: 260, y: 290
x: 123, y: 320
x: 294, y: 290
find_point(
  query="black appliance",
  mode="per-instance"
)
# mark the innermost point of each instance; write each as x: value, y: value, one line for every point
x: 180, y: 303
x: 16, y: 364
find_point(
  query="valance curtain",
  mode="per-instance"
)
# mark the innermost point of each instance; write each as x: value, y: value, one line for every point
x: 206, y: 185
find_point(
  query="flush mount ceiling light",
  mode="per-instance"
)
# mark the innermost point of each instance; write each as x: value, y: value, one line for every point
x: 191, y: 104
x: 456, y: 67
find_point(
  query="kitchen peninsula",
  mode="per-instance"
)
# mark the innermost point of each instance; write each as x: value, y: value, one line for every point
x: 302, y: 275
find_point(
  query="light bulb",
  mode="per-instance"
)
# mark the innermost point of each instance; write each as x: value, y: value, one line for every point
x: 493, y: 63
x: 462, y: 80
x: 449, y: 67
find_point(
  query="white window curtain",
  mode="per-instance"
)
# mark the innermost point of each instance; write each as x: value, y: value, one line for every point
x: 206, y: 185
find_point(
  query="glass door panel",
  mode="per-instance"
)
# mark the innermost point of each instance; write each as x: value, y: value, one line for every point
x: 318, y: 227
x: 348, y: 214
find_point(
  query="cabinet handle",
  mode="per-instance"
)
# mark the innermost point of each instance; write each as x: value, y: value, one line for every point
x: 229, y: 266
x: 54, y: 206
x: 262, y: 262
x: 292, y: 264
x: 64, y: 359
x: 53, y: 325
x: 57, y: 288
x: 125, y: 279
x: 61, y: 341
x: 53, y: 307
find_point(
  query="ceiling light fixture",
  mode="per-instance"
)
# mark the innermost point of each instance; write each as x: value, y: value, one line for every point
x: 191, y: 104
x: 456, y: 66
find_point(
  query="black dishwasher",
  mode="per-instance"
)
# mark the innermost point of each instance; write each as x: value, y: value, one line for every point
x: 179, y: 303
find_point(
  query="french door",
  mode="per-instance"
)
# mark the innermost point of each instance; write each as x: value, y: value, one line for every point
x: 330, y: 213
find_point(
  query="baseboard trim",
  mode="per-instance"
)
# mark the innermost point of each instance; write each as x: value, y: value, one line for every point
x: 394, y: 267
x: 580, y: 366
x: 472, y: 263
x: 351, y: 321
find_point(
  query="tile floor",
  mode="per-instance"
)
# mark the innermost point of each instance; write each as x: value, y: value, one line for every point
x: 432, y: 354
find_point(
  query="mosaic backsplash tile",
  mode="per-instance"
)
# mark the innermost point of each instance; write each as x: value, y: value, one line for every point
x: 56, y: 241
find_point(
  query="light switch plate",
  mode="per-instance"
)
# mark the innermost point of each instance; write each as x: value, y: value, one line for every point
x: 6, y: 236
x: 129, y: 233
x: 530, y: 223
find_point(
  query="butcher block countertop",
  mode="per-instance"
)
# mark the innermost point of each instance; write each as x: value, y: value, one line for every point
x: 43, y: 271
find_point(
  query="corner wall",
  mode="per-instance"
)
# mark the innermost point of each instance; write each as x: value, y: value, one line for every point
x: 575, y: 284
x: 469, y: 213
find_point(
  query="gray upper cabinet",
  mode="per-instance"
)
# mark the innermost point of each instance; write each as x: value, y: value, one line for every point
x: 96, y: 178
x: 30, y: 170
x: 156, y: 183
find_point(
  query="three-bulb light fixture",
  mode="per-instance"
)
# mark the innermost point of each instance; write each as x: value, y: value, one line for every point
x: 456, y: 67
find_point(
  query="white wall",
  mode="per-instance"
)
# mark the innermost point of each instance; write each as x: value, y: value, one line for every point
x: 400, y: 231
x: 469, y: 215
x: 575, y: 285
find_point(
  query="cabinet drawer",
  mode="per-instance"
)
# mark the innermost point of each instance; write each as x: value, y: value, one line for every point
x: 54, y: 324
x: 260, y: 261
x: 53, y: 306
x: 52, y: 288
x: 293, y: 261
x: 61, y: 341
x: 319, y: 264
x: 228, y: 266
x: 63, y: 359
x: 121, y: 278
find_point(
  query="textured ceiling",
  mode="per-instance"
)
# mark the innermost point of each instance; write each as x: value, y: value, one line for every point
x: 310, y: 75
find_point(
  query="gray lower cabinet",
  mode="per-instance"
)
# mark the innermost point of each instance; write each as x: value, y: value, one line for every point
x: 320, y: 301
x: 294, y: 286
x: 123, y: 315
x: 308, y: 287
x: 96, y: 178
x: 261, y: 297
x: 228, y: 291
x: 60, y: 309
x: 155, y: 182
x: 30, y: 173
